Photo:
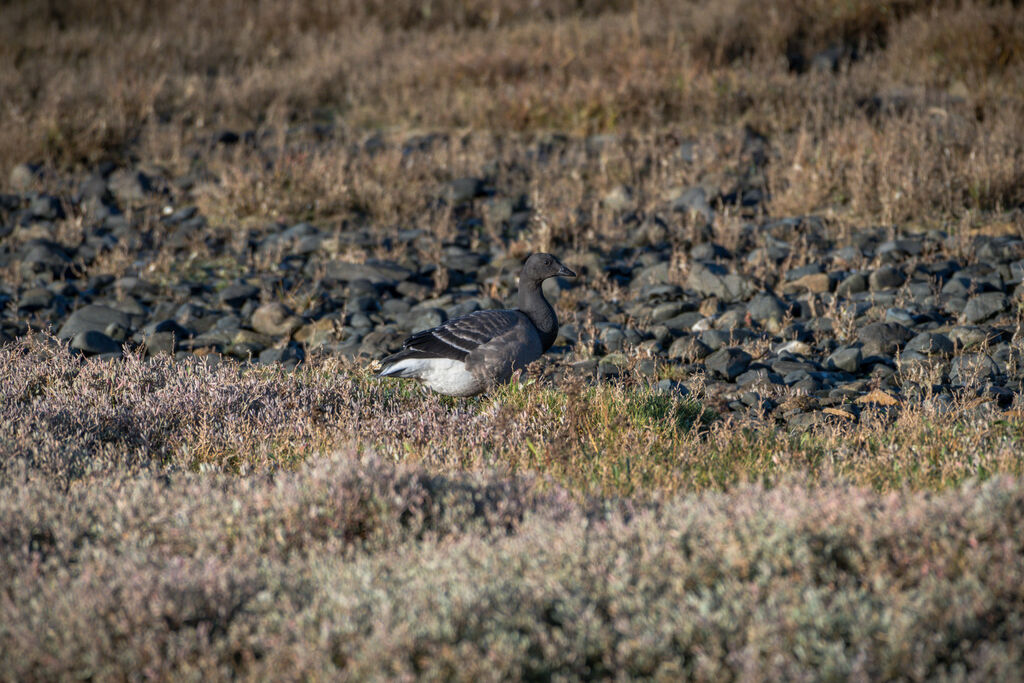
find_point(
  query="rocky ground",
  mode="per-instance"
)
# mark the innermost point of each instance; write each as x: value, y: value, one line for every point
x: 792, y: 321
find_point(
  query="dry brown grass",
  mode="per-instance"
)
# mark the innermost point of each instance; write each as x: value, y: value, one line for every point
x: 922, y: 125
x: 69, y: 419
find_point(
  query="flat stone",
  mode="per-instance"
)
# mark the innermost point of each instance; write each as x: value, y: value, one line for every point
x: 666, y: 311
x: 815, y: 283
x: 886, y: 277
x: 377, y: 273
x: 237, y: 294
x: 168, y: 326
x: 44, y: 256
x: 729, y: 362
x: 670, y: 387
x: 287, y: 356
x: 713, y: 280
x: 421, y: 319
x: 805, y: 421
x: 129, y: 186
x: 275, y: 319
x: 23, y: 176
x: 612, y: 338
x: 251, y: 338
x: 764, y: 308
x: 981, y: 307
x: 972, y: 368
x: 654, y: 274
x: 931, y: 344
x: 688, y: 349
x: 46, y: 207
x: 93, y: 317
x: 161, y: 342
x: 34, y: 299
x: 94, y: 342
x: 852, y: 284
x: 693, y: 200
x: 619, y: 198
x: 883, y: 338
x: 899, y: 315
x: 461, y: 190
x: 968, y: 336
x: 317, y: 333
x: 684, y: 322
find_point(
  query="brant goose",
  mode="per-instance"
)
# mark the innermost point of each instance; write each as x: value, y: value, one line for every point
x: 471, y: 353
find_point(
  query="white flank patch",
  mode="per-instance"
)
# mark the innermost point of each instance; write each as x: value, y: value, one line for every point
x: 443, y: 375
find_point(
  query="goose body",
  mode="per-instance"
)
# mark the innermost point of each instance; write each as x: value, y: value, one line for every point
x: 469, y: 354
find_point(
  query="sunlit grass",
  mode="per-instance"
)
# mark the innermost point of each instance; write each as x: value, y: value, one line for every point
x: 621, y: 438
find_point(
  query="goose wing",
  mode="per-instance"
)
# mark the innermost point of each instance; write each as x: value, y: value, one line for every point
x: 459, y: 337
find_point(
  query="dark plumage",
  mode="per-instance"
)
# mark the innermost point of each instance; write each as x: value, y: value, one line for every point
x: 471, y: 353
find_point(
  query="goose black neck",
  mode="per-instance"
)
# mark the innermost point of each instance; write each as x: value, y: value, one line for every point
x: 539, y: 311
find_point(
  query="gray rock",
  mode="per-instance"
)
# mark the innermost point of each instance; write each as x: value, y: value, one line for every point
x: 462, y: 190
x: 237, y: 294
x: 709, y: 251
x: 421, y: 318
x: 34, y: 299
x: 670, y: 387
x: 899, y: 315
x: 803, y: 271
x: 762, y: 377
x: 161, y: 342
x: 43, y: 256
x: 806, y: 421
x: 785, y: 366
x: 116, y: 331
x: 619, y: 198
x: 847, y: 358
x: 607, y: 370
x: 46, y: 207
x: 94, y: 342
x: 886, y: 277
x: 93, y: 318
x: 129, y: 186
x: 969, y: 336
x: 666, y: 311
x: 852, y: 284
x: 972, y: 280
x: 275, y: 319
x: 728, y: 362
x: 981, y: 307
x: 654, y: 274
x: 883, y: 338
x: 688, y: 349
x: 765, y: 308
x: 376, y: 272
x: 168, y: 326
x: 612, y: 338
x: 693, y: 200
x: 718, y: 338
x: 23, y: 176
x: 714, y: 280
x: 652, y: 231
x: 463, y: 261
x: 931, y: 344
x: 553, y: 287
x: 585, y: 368
x: 972, y: 368
x: 684, y: 322
x: 288, y: 356
x: 396, y: 307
